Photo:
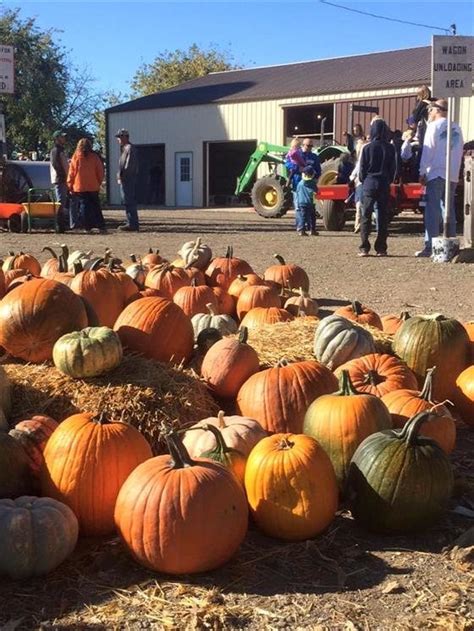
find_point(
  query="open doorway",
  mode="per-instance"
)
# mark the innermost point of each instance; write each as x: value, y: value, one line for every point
x: 310, y: 121
x: 224, y: 162
x: 151, y: 175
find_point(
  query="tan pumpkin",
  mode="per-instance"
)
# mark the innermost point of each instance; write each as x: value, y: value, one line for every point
x: 195, y: 254
x: 301, y: 304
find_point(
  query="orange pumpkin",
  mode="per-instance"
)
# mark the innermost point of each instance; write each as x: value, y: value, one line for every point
x: 33, y: 434
x: 464, y: 395
x: 12, y: 275
x: 195, y: 298
x: 256, y: 296
x: 360, y: 314
x: 196, y: 275
x: 378, y: 374
x: 167, y: 279
x: 469, y: 326
x: 279, y: 397
x: 228, y: 364
x: 23, y: 261
x: 291, y: 487
x: 224, y: 269
x: 156, y: 328
x: 180, y: 516
x: 301, y: 304
x: 287, y: 275
x: 403, y: 404
x: 101, y: 290
x: 265, y: 315
x: 86, y: 461
x: 35, y: 315
x: 391, y: 323
x: 243, y: 281
x: 225, y: 303
x: 152, y: 258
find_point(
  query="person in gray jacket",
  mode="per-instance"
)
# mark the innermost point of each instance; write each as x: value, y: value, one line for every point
x: 127, y: 178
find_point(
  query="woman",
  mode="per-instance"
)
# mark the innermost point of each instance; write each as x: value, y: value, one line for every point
x: 85, y: 176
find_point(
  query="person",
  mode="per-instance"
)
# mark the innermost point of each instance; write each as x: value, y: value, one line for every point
x: 344, y: 168
x: 85, y: 176
x: 127, y: 178
x: 408, y: 157
x: 433, y: 172
x: 353, y: 139
x: 311, y: 159
x: 306, y: 212
x: 354, y: 177
x: 58, y: 170
x: 377, y: 171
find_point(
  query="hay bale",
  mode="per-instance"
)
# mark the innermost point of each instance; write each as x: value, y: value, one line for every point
x: 142, y: 392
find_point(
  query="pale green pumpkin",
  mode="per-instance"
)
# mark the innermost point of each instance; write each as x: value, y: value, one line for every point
x: 87, y: 353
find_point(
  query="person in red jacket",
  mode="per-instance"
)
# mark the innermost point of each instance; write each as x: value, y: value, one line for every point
x: 84, y: 179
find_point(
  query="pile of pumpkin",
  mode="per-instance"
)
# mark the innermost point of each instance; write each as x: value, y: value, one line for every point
x: 374, y: 430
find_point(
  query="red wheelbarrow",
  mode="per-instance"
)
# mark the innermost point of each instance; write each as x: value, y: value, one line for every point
x: 10, y: 216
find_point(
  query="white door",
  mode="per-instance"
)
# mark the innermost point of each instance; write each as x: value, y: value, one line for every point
x: 184, y: 178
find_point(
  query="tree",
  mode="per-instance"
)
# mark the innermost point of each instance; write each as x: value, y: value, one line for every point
x: 110, y: 99
x: 171, y: 68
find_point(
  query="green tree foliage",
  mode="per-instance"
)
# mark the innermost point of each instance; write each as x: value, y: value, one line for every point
x: 171, y: 68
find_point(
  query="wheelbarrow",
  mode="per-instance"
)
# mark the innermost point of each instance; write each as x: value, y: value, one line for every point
x: 40, y: 210
x: 10, y: 215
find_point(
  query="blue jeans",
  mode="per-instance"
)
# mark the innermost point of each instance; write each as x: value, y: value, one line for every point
x: 61, y: 194
x: 305, y: 218
x: 128, y: 192
x: 435, y: 210
x: 375, y: 194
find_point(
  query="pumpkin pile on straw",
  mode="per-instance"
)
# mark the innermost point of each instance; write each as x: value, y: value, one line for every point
x: 144, y: 393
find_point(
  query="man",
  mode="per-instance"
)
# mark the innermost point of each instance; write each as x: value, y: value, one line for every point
x: 433, y: 171
x: 127, y: 178
x: 378, y: 169
x: 58, y: 168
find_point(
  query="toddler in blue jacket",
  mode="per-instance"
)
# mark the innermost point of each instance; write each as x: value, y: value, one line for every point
x: 306, y: 211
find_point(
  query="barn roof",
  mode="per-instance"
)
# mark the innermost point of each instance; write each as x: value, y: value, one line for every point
x: 375, y: 71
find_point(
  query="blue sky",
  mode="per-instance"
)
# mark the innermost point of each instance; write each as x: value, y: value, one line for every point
x: 112, y: 38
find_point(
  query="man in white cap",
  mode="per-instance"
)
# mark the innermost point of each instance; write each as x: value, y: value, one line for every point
x: 127, y: 178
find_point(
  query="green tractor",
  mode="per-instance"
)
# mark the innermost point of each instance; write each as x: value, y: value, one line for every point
x: 271, y: 194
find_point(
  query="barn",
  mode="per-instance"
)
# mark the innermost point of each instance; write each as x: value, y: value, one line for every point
x: 193, y: 140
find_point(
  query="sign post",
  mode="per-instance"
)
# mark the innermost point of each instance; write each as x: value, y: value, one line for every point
x: 7, y: 83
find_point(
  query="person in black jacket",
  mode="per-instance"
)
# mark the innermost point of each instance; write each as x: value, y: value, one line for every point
x: 378, y: 169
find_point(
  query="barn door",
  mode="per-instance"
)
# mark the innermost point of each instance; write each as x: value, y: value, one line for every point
x: 184, y: 178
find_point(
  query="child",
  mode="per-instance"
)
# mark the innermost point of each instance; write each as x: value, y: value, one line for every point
x: 305, y: 211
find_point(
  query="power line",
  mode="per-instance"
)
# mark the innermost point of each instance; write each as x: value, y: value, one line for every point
x: 384, y: 17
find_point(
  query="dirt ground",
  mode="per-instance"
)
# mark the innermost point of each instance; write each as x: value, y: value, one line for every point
x: 346, y: 579
x: 337, y: 274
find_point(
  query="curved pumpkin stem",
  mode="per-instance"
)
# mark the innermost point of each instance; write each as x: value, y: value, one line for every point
x: 243, y: 334
x: 357, y: 307
x: 427, y: 391
x: 280, y: 259
x: 404, y: 316
x: 179, y: 453
x: 95, y: 265
x: 220, y: 419
x: 346, y: 387
x: 412, y: 427
x: 221, y: 445
x: 209, y: 306
x: 51, y: 251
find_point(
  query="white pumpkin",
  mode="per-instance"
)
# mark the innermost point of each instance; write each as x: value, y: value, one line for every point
x: 302, y: 304
x: 338, y: 340
x: 136, y: 271
x: 78, y: 256
x: 225, y: 324
x: 195, y: 254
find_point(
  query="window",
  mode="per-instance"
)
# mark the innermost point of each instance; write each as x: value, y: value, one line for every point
x: 185, y: 170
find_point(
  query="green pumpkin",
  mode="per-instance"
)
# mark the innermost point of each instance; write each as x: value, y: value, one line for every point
x: 399, y: 481
x: 427, y: 341
x: 87, y: 353
x: 15, y: 476
x: 36, y: 535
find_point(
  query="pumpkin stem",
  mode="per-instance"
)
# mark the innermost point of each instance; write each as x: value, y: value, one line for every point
x: 193, y: 281
x: 404, y: 316
x: 221, y: 446
x: 243, y: 334
x: 357, y: 307
x: 179, y: 453
x: 282, y: 363
x: 77, y: 266
x: 412, y: 427
x: 346, y: 387
x: 150, y: 250
x: 133, y: 258
x: 427, y: 391
x: 373, y: 378
x: 228, y: 254
x: 95, y: 265
x: 220, y: 419
x: 210, y: 307
x: 279, y: 258
x: 285, y: 443
x: 51, y: 251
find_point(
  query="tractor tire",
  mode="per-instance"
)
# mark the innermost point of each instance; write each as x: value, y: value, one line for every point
x: 271, y: 197
x: 328, y: 172
x: 334, y: 214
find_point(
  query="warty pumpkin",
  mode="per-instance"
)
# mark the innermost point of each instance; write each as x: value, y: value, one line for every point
x: 360, y: 314
x: 338, y: 340
x: 38, y: 534
x: 426, y: 341
x: 278, y: 397
x: 256, y: 296
x: 291, y: 487
x: 180, y: 516
x: 36, y: 314
x: 222, y: 270
x: 378, y: 373
x: 87, y: 353
x: 391, y: 323
x: 398, y: 480
x: 265, y: 315
x: 287, y: 275
x: 157, y: 329
x: 194, y: 299
x: 464, y: 395
x: 342, y: 420
x: 86, y: 461
x: 225, y: 324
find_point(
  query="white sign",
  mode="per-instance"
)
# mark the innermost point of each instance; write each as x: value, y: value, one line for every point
x: 6, y: 70
x: 451, y: 65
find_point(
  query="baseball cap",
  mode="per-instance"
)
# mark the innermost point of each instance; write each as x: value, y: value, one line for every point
x: 58, y: 133
x: 122, y: 132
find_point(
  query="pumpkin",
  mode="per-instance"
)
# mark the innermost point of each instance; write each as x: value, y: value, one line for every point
x: 86, y: 461
x: 151, y: 258
x: 239, y: 432
x: 291, y: 487
x: 301, y: 304
x: 229, y: 457
x: 287, y: 275
x: 256, y: 296
x: 464, y: 395
x: 342, y: 420
x: 33, y: 434
x: 3, y: 287
x: 265, y: 315
x: 212, y: 320
x: 360, y: 314
x: 378, y: 373
x: 195, y: 254
x: 426, y: 341
x: 36, y: 314
x: 228, y: 364
x: 78, y: 257
x: 180, y: 516
x: 14, y: 274
x: 194, y: 299
x: 24, y: 262
x: 15, y: 475
x: 241, y: 282
x: 167, y: 279
x: 156, y: 328
x: 205, y: 339
x: 128, y: 285
x: 102, y: 291
x: 469, y: 326
x: 87, y: 353
x: 223, y: 270
x: 51, y: 266
x: 405, y: 403
x: 398, y: 480
x: 196, y: 275
x: 38, y: 534
x: 5, y: 394
x: 338, y: 340
x: 225, y: 303
x: 137, y: 271
x: 391, y: 323
x: 278, y: 397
